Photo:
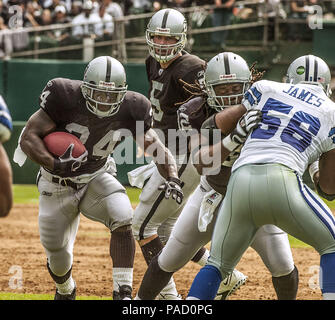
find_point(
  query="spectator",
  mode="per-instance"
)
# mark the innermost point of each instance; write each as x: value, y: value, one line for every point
x: 105, y: 29
x: 60, y: 17
x: 46, y: 18
x: 221, y: 17
x: 179, y: 4
x: 76, y: 8
x: 113, y: 8
x: 32, y: 13
x: 6, y: 44
x: 301, y: 10
x: 85, y: 24
x: 141, y: 6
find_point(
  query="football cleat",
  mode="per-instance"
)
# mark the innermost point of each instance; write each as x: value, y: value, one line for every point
x: 169, y: 296
x: 230, y: 284
x: 71, y: 296
x: 123, y: 294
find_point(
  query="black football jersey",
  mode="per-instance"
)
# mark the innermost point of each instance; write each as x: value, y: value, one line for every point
x: 195, y: 112
x: 63, y: 101
x: 166, y: 91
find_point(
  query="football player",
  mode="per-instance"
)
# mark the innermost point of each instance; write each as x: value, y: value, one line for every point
x: 166, y: 65
x: 98, y: 110
x: 6, y: 194
x: 297, y: 128
x: 227, y: 78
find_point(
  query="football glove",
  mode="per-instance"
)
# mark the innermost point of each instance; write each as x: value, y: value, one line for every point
x: 66, y: 164
x: 6, y: 126
x: 172, y: 187
x: 244, y: 126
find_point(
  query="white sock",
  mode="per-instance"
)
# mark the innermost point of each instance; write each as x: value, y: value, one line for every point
x: 66, y: 287
x: 203, y: 260
x: 328, y: 296
x: 170, y: 288
x: 137, y: 297
x: 192, y: 298
x: 122, y: 276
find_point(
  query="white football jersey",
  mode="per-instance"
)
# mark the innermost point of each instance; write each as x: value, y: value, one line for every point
x: 298, y: 125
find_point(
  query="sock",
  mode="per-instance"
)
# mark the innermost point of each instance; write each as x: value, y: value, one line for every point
x: 170, y: 288
x: 122, y: 252
x: 201, y: 257
x: 206, y: 284
x: 327, y: 275
x: 122, y: 276
x: 286, y: 287
x: 66, y: 287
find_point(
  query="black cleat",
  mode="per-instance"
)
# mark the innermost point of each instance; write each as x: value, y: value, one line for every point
x: 123, y: 294
x: 71, y: 296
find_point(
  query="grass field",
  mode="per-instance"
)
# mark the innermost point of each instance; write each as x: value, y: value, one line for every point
x: 28, y: 194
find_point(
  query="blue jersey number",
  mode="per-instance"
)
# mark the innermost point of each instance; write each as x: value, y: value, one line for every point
x: 299, y: 131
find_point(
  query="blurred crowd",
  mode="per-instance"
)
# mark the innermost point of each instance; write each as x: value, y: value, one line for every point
x: 96, y: 17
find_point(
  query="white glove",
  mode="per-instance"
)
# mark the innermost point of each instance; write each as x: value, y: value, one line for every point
x: 240, y: 134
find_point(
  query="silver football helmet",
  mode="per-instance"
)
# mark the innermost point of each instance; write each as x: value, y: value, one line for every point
x: 310, y: 69
x: 169, y: 23
x: 226, y: 68
x: 104, y: 86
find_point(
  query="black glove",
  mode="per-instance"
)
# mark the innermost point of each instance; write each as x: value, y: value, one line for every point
x: 66, y: 164
x: 240, y: 134
x: 172, y: 186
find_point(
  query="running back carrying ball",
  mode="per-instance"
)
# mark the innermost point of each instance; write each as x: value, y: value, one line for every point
x: 69, y: 151
x: 58, y: 142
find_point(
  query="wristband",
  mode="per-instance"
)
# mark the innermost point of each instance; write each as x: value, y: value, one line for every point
x: 229, y: 144
x: 313, y: 169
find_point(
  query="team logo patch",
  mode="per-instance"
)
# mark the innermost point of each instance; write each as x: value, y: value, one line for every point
x: 300, y: 70
x: 107, y: 84
x: 227, y: 76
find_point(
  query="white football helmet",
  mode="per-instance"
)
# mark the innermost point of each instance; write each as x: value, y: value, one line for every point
x: 104, y: 85
x: 226, y: 68
x: 169, y: 23
x: 310, y: 69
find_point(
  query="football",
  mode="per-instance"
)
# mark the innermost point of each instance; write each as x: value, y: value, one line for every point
x: 57, y: 143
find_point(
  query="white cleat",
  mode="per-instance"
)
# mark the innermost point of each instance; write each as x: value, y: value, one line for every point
x: 230, y: 284
x: 169, y: 296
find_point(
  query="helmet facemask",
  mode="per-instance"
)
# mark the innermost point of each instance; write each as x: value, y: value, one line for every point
x: 103, y: 100
x: 165, y: 52
x: 218, y: 101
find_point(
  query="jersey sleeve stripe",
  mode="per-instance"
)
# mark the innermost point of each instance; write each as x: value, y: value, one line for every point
x: 256, y: 94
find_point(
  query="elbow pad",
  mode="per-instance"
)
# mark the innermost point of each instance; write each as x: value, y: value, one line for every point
x: 329, y: 197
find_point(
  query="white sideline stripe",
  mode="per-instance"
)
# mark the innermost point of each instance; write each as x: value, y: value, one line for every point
x: 319, y: 208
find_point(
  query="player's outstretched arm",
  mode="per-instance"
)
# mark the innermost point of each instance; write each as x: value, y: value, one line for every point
x: 6, y: 178
x: 165, y: 163
x: 38, y: 126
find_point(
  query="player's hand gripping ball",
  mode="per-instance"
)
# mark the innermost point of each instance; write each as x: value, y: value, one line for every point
x: 68, y: 150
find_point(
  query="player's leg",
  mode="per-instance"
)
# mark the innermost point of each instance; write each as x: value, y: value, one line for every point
x: 307, y: 218
x: 234, y: 231
x: 107, y: 202
x: 153, y: 210
x: 58, y: 224
x: 272, y: 244
x: 183, y: 244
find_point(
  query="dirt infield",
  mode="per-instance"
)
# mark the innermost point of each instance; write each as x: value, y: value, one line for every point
x: 20, y: 249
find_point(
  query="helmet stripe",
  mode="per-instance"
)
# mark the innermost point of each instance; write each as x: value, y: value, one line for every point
x: 165, y: 18
x: 108, y: 69
x: 315, y: 70
x: 307, y: 69
x: 226, y: 63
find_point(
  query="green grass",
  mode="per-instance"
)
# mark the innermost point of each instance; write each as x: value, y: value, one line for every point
x: 28, y: 296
